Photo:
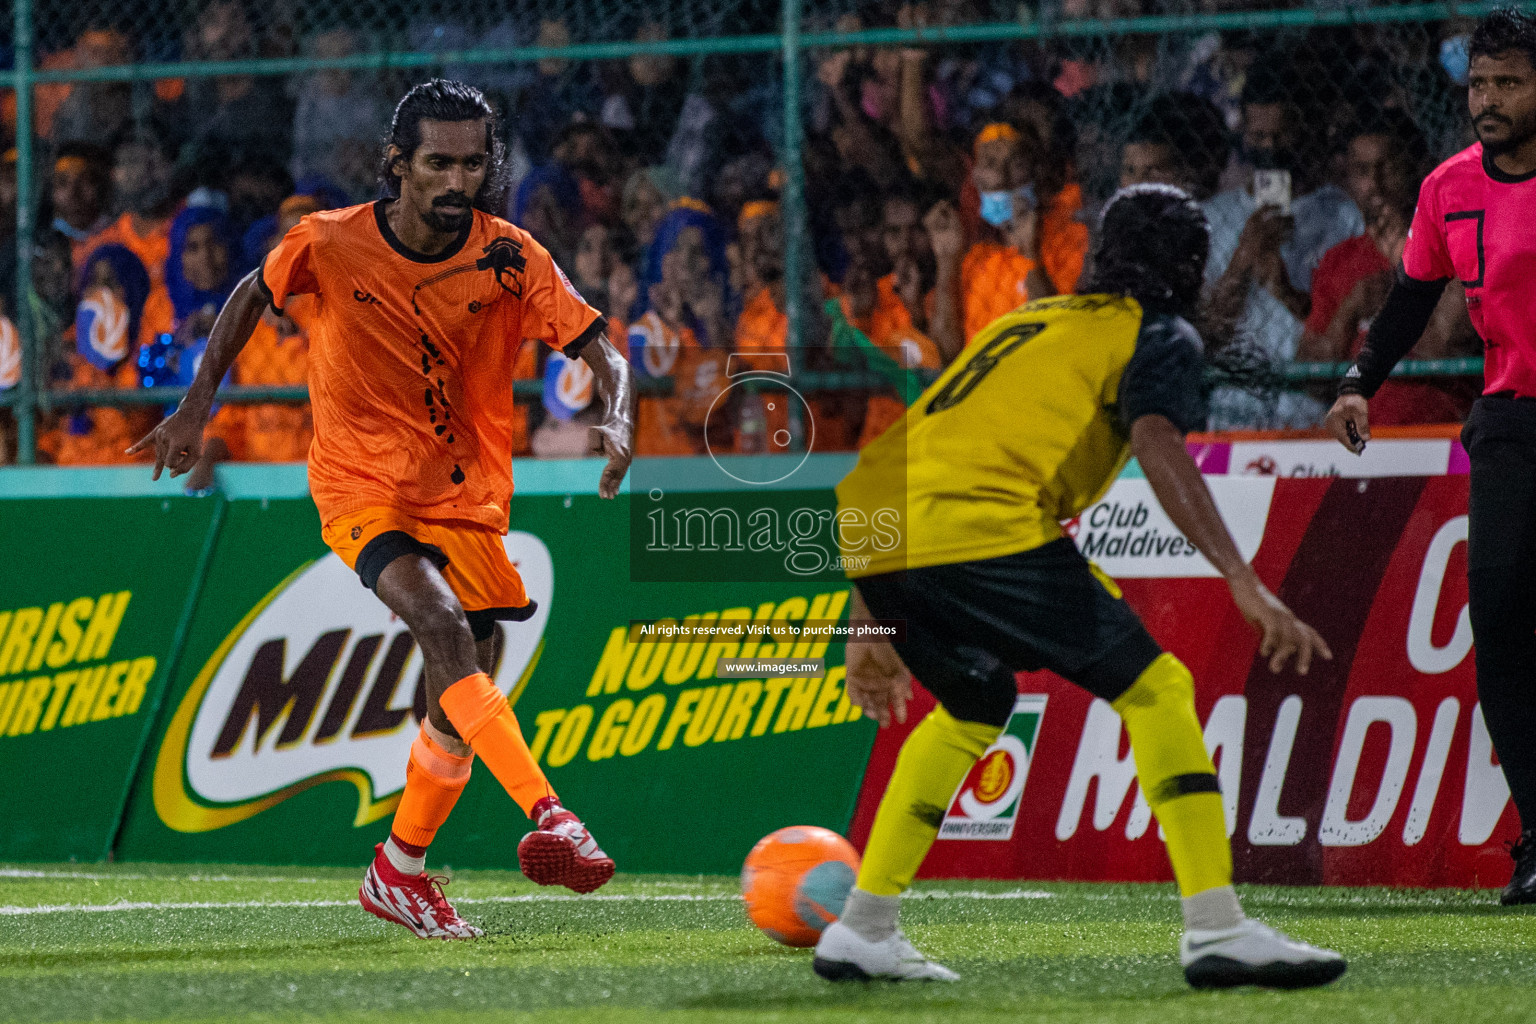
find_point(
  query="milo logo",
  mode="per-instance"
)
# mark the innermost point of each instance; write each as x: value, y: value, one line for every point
x: 987, y: 804
x: 318, y: 683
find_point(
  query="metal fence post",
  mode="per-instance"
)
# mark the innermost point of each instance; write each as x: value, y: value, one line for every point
x: 26, y: 407
x: 793, y: 200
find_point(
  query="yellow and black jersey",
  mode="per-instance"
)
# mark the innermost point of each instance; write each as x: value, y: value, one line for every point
x: 1028, y: 427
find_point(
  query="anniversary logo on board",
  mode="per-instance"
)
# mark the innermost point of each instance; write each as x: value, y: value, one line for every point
x: 987, y: 803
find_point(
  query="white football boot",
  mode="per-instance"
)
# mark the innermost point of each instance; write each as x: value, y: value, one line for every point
x: 844, y: 955
x: 1253, y: 953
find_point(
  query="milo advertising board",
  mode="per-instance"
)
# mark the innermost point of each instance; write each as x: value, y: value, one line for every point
x: 286, y: 731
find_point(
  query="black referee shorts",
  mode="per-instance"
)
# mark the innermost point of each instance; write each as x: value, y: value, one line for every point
x: 971, y: 625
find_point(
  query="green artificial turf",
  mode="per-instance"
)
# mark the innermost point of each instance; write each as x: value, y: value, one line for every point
x: 667, y: 948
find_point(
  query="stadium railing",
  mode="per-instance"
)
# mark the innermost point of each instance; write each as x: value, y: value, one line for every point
x: 796, y: 34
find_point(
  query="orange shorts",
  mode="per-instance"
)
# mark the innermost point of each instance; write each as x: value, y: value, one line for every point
x: 471, y: 558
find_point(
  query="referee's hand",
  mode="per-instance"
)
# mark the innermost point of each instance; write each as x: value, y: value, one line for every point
x: 1283, y: 634
x: 1349, y: 421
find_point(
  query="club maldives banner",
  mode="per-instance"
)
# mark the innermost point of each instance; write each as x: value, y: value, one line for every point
x: 286, y: 732
x: 1374, y: 768
x: 1395, y: 451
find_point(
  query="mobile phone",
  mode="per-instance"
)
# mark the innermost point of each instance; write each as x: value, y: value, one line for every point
x: 1273, y: 188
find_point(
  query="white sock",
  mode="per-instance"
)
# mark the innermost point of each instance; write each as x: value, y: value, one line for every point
x: 1213, y: 910
x: 403, y: 862
x: 872, y: 918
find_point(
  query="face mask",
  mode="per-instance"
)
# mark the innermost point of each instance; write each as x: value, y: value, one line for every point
x: 1453, y: 57
x: 997, y: 208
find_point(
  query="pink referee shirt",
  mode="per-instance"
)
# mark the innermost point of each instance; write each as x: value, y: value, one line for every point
x: 1478, y: 224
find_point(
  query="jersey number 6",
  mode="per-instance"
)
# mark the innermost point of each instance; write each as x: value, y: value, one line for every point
x: 978, y: 366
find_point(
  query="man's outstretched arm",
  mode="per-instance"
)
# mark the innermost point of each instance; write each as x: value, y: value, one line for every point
x: 615, y: 435
x: 178, y: 440
x: 1159, y: 446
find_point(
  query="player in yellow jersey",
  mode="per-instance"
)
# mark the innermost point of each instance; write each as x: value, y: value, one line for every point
x: 1028, y: 427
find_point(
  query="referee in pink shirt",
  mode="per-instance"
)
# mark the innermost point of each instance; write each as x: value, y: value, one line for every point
x: 1476, y: 222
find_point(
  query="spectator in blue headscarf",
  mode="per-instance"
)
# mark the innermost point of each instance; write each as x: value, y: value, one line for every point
x: 696, y: 241
x: 199, y: 275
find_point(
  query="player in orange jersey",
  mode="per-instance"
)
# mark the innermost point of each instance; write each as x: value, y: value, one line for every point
x: 420, y: 304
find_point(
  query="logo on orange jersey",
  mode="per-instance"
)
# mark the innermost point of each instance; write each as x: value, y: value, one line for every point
x: 504, y: 258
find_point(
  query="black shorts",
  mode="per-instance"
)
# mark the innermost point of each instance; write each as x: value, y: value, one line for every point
x: 971, y: 625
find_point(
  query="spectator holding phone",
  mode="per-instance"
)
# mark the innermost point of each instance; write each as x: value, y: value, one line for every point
x: 1266, y: 240
x: 1386, y: 159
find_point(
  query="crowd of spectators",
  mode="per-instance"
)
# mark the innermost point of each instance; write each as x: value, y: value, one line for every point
x: 944, y: 186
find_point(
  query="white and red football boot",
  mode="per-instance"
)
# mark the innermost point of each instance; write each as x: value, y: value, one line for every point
x: 562, y: 851
x: 415, y: 901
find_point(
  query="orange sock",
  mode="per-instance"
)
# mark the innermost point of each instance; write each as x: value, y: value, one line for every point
x: 434, y: 779
x: 482, y: 717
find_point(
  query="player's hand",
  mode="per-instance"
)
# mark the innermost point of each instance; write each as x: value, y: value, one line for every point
x: 1284, y: 635
x: 612, y: 440
x: 177, y: 441
x: 878, y: 682
x: 1349, y: 421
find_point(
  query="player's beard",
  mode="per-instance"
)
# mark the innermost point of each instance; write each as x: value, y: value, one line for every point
x: 448, y: 223
x: 1521, y: 131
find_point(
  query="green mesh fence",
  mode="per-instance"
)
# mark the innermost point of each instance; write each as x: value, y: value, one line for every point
x: 881, y: 99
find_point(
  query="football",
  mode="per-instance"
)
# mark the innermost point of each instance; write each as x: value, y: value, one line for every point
x: 795, y: 880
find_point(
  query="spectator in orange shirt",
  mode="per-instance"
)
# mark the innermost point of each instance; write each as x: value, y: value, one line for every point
x: 114, y: 286
x: 277, y: 354
x: 80, y: 188
x: 899, y: 306
x: 141, y: 184
x: 683, y: 334
x: 763, y: 327
x: 1033, y: 241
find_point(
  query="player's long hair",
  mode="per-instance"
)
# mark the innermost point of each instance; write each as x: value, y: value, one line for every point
x: 1153, y: 244
x: 440, y: 99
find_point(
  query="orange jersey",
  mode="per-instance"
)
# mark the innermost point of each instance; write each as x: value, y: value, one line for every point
x: 674, y: 425
x: 892, y: 330
x: 411, y: 358
x: 762, y: 326
x: 152, y: 249
x: 992, y: 276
